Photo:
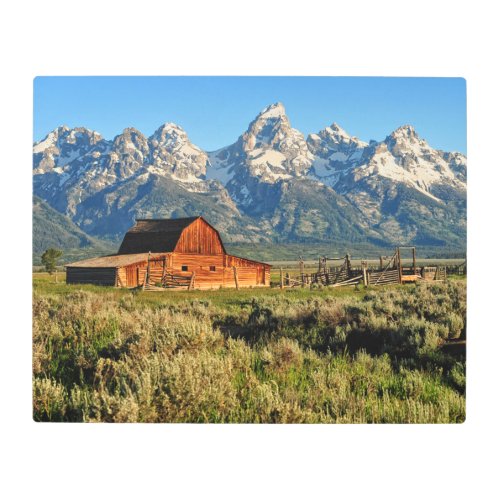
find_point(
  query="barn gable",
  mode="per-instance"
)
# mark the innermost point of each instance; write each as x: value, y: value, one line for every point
x: 186, y: 235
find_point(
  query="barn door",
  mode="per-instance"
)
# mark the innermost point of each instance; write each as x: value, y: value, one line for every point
x: 260, y: 275
x: 131, y: 277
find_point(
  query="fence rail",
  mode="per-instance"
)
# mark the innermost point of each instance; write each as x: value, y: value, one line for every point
x: 390, y: 272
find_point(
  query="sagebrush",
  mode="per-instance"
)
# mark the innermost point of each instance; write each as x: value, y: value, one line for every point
x: 380, y: 356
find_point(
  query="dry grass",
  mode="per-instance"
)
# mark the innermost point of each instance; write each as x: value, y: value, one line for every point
x: 315, y: 357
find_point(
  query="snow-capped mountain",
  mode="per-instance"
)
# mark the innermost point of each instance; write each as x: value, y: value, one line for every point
x: 104, y: 185
x: 402, y: 161
x: 401, y: 157
x: 268, y: 152
x: 173, y: 153
x: 410, y: 159
x: 271, y: 184
x: 335, y: 151
x: 62, y: 146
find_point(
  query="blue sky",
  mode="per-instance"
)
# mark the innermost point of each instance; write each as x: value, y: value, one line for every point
x: 214, y: 111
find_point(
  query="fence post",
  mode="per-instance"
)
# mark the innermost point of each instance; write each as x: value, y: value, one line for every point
x: 400, y: 266
x: 235, y: 272
x: 365, y: 280
x: 191, y: 281
x: 146, y: 277
x: 281, y: 277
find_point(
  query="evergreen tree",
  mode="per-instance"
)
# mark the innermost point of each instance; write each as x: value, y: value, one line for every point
x: 49, y: 260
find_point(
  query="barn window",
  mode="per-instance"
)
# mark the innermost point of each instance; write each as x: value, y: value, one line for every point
x: 184, y: 268
x: 212, y: 268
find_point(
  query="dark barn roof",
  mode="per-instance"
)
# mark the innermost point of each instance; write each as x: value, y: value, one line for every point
x: 154, y: 235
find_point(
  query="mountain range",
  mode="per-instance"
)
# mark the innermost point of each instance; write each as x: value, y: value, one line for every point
x: 273, y: 185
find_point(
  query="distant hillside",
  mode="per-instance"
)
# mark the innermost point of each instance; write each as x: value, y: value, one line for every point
x: 311, y: 251
x: 53, y: 229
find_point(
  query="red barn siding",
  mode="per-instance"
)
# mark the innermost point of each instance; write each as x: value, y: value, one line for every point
x: 200, y: 238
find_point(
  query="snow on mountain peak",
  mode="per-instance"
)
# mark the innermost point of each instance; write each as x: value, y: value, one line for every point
x: 171, y: 128
x: 405, y: 131
x: 404, y: 142
x: 338, y: 131
x: 48, y: 141
x: 273, y: 148
x: 273, y: 111
x: 335, y: 152
x: 63, y: 146
x: 132, y: 140
x: 268, y: 152
x: 172, y: 139
x: 335, y: 136
x: 169, y: 135
x: 406, y: 158
x: 256, y: 176
x: 65, y: 135
x: 173, y: 153
x: 271, y: 125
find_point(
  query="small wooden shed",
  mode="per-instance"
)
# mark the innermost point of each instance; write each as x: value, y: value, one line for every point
x: 171, y: 253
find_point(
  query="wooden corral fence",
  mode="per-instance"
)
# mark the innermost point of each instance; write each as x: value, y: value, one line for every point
x: 460, y: 269
x: 161, y: 278
x: 390, y: 272
x: 344, y: 274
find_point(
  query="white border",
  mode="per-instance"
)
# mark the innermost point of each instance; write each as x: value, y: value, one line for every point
x: 389, y: 38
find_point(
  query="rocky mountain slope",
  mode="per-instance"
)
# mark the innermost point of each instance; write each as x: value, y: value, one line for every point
x: 271, y: 185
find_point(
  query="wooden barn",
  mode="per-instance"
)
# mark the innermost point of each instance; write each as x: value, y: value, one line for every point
x: 171, y: 253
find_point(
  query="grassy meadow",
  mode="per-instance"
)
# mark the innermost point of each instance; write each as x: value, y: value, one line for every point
x: 348, y: 355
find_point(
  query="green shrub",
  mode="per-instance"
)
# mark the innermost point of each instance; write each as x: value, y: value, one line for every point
x: 457, y: 376
x: 49, y: 400
x: 288, y: 357
x: 455, y: 325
